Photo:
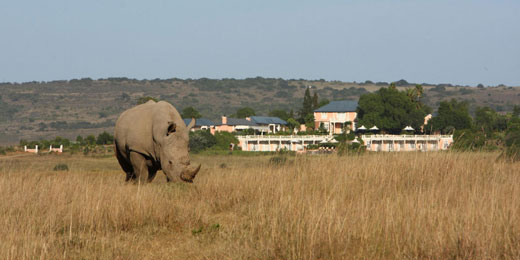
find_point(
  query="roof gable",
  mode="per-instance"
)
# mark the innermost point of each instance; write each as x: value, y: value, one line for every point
x: 199, y: 122
x: 339, y: 106
x: 238, y: 121
x: 266, y: 120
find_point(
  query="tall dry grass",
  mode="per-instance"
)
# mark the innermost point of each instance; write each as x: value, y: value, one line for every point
x: 401, y: 205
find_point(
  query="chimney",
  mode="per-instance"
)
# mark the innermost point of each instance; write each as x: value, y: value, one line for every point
x: 224, y: 120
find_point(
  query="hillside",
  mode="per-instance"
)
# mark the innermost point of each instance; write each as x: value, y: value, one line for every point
x: 35, y: 110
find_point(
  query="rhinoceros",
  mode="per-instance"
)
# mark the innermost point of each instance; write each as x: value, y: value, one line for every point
x: 151, y: 137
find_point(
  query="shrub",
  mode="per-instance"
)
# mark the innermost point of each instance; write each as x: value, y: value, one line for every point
x: 350, y: 149
x: 512, y: 141
x: 224, y: 139
x: 468, y: 140
x: 201, y: 140
x: 61, y: 167
x: 105, y: 138
x: 278, y: 160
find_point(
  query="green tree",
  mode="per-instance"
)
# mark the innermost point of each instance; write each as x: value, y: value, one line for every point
x: 201, y: 140
x: 58, y: 140
x: 79, y: 140
x: 390, y: 110
x: 309, y: 121
x: 451, y: 115
x: 280, y: 114
x: 105, y: 138
x: 485, y: 119
x: 415, y: 94
x: 190, y: 112
x: 315, y: 103
x: 245, y: 112
x: 90, y: 140
x: 224, y: 139
x: 307, y: 107
x: 512, y: 140
x: 468, y: 140
x: 291, y: 114
x: 323, y: 102
x: 489, y: 121
x: 293, y: 124
x: 516, y: 111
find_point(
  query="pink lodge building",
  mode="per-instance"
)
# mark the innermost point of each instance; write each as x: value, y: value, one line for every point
x: 337, y: 116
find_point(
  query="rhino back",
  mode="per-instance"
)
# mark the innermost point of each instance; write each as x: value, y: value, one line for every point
x: 134, y: 129
x: 142, y: 128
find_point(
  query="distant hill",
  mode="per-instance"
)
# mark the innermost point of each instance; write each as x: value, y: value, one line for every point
x: 35, y: 110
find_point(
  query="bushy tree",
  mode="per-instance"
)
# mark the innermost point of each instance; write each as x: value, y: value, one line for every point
x: 293, y: 124
x: 307, y: 106
x: 90, y: 140
x: 315, y: 102
x: 245, y: 112
x: 309, y: 122
x: 201, y: 140
x: 516, y: 111
x: 468, y: 140
x: 79, y: 140
x: 390, y: 110
x: 451, y: 115
x: 190, y: 112
x: 105, y: 138
x: 322, y: 103
x: 512, y: 140
x: 58, y: 140
x: 224, y: 139
x: 489, y: 121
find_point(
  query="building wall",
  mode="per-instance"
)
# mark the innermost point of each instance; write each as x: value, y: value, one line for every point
x: 276, y: 143
x: 396, y: 143
x: 224, y: 128
x: 337, y: 117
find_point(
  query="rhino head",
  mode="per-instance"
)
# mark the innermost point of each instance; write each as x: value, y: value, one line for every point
x: 174, y: 153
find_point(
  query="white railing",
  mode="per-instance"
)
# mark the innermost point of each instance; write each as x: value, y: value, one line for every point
x: 405, y: 137
x: 283, y: 137
x: 57, y: 150
x: 35, y: 150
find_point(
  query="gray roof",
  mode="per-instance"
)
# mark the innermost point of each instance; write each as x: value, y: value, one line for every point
x: 265, y: 120
x: 199, y: 122
x: 238, y: 121
x: 339, y: 106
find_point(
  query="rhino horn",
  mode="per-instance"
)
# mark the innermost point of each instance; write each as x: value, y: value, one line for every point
x: 189, y: 174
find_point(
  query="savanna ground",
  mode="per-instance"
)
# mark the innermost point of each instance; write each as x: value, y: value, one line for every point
x: 390, y: 206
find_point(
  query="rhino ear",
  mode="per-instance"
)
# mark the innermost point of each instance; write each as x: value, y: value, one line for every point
x: 171, y: 128
x: 191, y: 124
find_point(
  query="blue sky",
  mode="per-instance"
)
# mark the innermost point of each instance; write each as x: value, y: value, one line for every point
x: 443, y: 41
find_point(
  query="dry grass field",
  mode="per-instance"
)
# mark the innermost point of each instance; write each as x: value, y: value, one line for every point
x: 375, y: 206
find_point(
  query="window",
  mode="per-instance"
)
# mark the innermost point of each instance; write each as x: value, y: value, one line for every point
x: 323, y: 115
x: 341, y: 116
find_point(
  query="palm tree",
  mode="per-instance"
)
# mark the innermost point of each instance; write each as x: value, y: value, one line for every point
x: 415, y: 94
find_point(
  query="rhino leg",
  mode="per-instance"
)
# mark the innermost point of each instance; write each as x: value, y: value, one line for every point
x: 151, y: 173
x: 140, y: 167
x: 125, y: 164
